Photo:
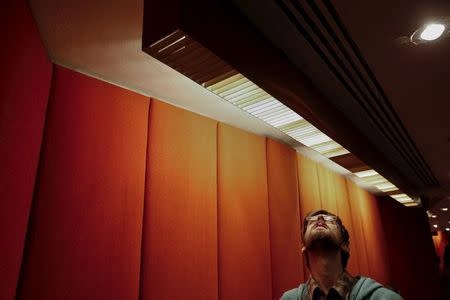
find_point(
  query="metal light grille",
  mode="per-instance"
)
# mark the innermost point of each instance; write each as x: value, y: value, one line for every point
x: 241, y: 92
x: 404, y: 199
x: 371, y: 177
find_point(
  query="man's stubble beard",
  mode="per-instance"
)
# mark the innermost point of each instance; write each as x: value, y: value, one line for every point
x: 323, y: 239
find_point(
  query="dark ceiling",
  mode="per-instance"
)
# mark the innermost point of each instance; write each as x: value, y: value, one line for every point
x: 348, y: 67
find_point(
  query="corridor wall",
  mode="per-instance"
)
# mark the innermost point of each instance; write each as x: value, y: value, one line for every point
x: 138, y: 199
x: 413, y: 267
x: 23, y: 100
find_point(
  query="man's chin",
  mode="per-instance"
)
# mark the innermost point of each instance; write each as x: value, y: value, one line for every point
x: 322, y: 241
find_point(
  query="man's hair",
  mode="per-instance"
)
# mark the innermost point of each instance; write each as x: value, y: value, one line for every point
x: 345, y: 255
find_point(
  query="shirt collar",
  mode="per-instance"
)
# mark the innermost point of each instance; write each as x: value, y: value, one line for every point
x: 343, y: 285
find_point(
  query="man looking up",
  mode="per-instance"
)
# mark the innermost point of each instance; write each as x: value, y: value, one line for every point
x: 326, y: 249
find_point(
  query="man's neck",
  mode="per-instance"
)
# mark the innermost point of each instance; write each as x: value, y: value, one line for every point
x: 326, y: 266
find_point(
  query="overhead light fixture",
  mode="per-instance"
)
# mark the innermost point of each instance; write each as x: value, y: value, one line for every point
x: 444, y: 208
x: 243, y: 93
x: 434, y: 216
x: 435, y: 226
x: 386, y: 187
x: 227, y: 83
x: 447, y: 229
x: 366, y: 173
x: 431, y: 31
x: 409, y: 201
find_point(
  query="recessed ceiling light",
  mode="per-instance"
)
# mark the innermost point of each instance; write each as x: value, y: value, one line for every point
x: 444, y: 208
x: 447, y: 229
x: 432, y: 32
x: 433, y: 216
x: 435, y: 226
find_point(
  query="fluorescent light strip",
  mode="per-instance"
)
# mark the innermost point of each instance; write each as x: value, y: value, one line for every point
x: 253, y: 97
x: 337, y: 152
x: 404, y: 199
x: 246, y: 95
x: 240, y: 88
x: 276, y: 114
x: 272, y: 105
x: 375, y: 179
x: 243, y: 93
x: 366, y: 173
x: 217, y: 87
x: 327, y: 146
x: 241, y: 97
x: 386, y: 185
x: 279, y: 119
x: 315, y: 139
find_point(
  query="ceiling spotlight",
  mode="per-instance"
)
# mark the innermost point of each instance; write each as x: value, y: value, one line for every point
x: 447, y: 229
x: 431, y: 31
x: 433, y: 216
x: 444, y: 208
x: 435, y: 226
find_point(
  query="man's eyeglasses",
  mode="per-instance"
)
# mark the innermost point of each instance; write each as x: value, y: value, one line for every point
x: 326, y: 218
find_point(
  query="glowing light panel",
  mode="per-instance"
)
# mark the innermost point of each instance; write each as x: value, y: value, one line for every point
x: 432, y: 32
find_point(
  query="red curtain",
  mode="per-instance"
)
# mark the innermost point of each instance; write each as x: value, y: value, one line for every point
x: 85, y: 235
x: 25, y: 76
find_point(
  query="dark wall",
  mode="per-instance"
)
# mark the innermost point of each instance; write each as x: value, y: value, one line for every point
x: 412, y: 261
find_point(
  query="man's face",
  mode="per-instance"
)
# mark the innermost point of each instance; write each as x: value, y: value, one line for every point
x: 322, y: 227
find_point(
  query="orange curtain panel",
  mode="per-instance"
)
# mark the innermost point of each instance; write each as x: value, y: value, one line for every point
x: 243, y: 216
x: 355, y: 194
x: 327, y: 189
x: 309, y: 192
x: 334, y: 198
x: 25, y: 76
x: 284, y: 218
x: 86, y: 222
x: 344, y: 212
x: 374, y: 237
x: 308, y: 184
x: 179, y: 258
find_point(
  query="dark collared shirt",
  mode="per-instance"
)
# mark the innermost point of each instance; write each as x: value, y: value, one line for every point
x: 340, y: 291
